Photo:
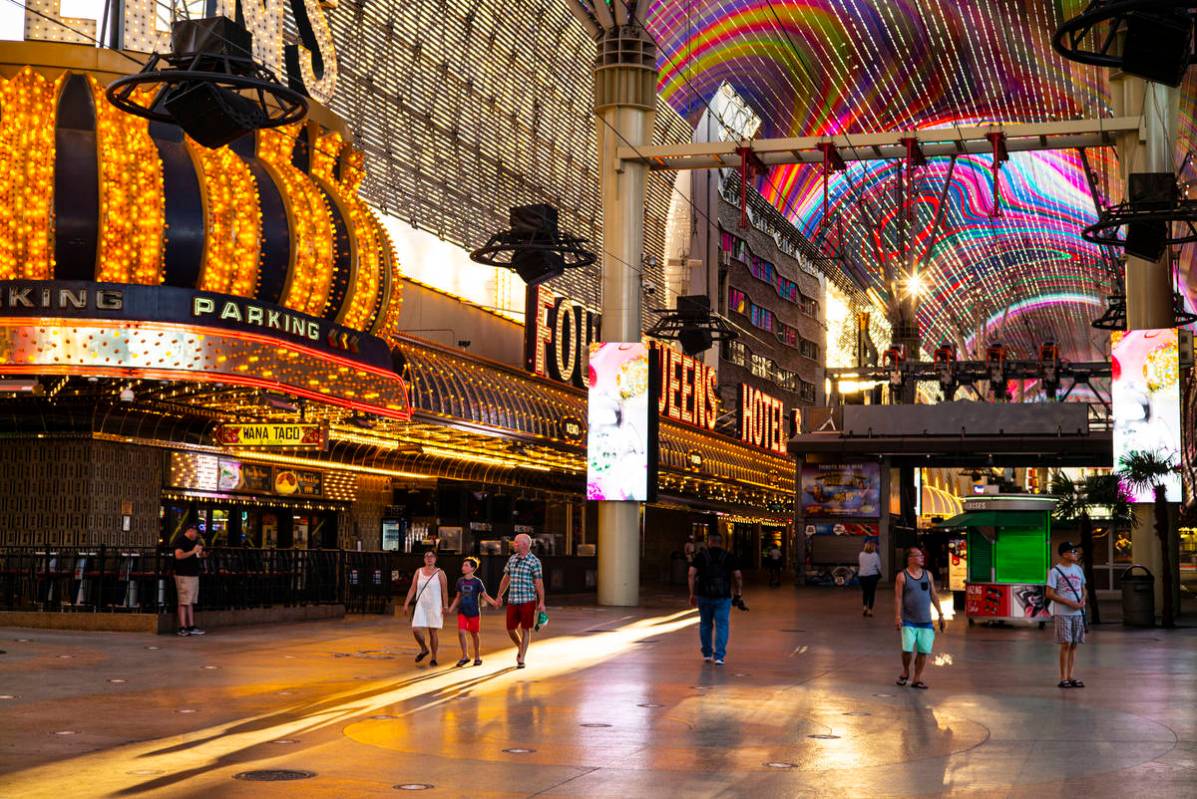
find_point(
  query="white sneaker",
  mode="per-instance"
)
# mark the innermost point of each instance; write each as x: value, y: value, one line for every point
x: 707, y: 659
x: 718, y: 661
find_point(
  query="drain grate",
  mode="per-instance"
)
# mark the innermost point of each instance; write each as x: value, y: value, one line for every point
x: 413, y: 786
x: 821, y: 737
x: 650, y: 704
x: 594, y: 724
x: 519, y: 750
x: 274, y: 775
x: 780, y: 764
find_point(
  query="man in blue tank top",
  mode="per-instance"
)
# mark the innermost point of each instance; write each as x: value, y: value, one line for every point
x: 914, y: 594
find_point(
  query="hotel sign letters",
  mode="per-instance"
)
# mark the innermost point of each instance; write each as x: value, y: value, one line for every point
x: 761, y: 420
x: 557, y: 336
x: 689, y: 389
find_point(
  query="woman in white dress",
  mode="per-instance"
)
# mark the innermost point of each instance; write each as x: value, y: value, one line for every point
x: 430, y: 592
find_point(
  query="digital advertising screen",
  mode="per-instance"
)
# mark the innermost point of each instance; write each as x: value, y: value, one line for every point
x: 620, y: 447
x: 842, y: 489
x: 1146, y: 370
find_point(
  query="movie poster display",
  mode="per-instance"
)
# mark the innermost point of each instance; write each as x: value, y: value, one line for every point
x: 839, y: 490
x: 1146, y: 369
x: 621, y: 423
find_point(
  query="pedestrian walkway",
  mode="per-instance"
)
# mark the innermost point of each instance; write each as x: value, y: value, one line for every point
x: 614, y: 703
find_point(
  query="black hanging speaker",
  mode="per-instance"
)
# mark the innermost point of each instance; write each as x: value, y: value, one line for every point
x: 534, y: 247
x: 1158, y: 45
x: 694, y: 312
x: 209, y: 85
x: 537, y: 224
x: 1150, y: 191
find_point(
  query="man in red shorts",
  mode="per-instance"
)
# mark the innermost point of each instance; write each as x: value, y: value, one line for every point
x: 525, y: 579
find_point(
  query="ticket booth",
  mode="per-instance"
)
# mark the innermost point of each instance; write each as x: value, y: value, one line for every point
x: 1007, y: 554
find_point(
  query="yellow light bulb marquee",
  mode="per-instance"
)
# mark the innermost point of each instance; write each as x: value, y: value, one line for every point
x: 27, y: 149
x: 310, y: 277
x: 132, y: 198
x: 232, y: 221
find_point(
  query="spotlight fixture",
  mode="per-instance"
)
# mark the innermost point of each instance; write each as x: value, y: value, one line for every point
x: 1152, y: 39
x: 692, y: 324
x: 127, y: 394
x: 1153, y: 206
x: 209, y: 85
x: 534, y: 248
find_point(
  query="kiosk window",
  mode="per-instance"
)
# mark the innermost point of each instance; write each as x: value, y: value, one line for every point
x: 980, y: 558
x: 1021, y: 555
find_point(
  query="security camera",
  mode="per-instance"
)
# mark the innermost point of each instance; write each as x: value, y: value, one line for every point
x: 648, y: 288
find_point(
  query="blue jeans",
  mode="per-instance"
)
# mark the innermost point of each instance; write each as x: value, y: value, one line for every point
x: 717, y: 611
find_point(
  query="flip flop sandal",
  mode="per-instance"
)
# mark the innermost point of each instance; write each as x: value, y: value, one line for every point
x: 1076, y: 683
x: 519, y: 664
x: 421, y: 656
x: 477, y: 661
x: 920, y: 685
x: 461, y: 663
x: 1064, y: 684
x: 903, y: 680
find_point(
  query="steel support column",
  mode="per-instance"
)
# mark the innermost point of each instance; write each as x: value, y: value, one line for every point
x: 1148, y: 284
x: 625, y: 93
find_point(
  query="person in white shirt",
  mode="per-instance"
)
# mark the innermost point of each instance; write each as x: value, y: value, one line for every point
x: 869, y: 574
x: 1068, y: 594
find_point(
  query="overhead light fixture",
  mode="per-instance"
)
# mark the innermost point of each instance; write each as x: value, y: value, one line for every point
x: 692, y: 325
x: 534, y: 248
x: 1152, y: 39
x: 209, y: 85
x: 280, y: 402
x: 127, y: 394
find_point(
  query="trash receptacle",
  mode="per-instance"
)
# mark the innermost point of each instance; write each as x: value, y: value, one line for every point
x: 1138, y: 597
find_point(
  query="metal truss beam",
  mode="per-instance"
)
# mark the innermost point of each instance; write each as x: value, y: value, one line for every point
x: 970, y: 140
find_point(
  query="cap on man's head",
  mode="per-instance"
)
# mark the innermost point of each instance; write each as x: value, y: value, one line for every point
x: 1066, y: 546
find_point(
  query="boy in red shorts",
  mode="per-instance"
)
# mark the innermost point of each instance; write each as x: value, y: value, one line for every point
x: 469, y: 590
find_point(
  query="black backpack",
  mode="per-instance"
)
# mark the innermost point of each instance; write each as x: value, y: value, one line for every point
x: 714, y: 580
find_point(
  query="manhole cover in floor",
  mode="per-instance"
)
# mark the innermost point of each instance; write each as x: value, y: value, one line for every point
x: 519, y: 750
x: 821, y: 737
x: 413, y: 786
x: 650, y: 704
x: 594, y: 724
x: 779, y: 764
x: 274, y: 775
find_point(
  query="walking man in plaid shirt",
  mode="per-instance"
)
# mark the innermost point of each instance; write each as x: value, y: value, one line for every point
x: 525, y: 577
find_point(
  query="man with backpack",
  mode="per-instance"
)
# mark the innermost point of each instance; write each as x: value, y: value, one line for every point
x: 714, y: 577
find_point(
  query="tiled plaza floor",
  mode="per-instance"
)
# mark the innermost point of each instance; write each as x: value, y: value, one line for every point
x: 614, y: 703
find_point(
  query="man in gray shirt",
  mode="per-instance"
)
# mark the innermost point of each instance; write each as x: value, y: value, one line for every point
x: 1068, y: 594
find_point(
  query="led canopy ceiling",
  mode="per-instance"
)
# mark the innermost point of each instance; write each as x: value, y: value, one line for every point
x: 1016, y: 271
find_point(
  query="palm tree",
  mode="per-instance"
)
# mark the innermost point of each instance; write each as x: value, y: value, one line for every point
x: 1145, y: 470
x: 1075, y: 498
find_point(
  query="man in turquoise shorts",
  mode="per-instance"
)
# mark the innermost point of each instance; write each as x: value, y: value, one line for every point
x: 914, y: 594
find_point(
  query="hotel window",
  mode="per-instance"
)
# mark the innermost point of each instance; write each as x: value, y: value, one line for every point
x: 806, y: 391
x: 808, y: 349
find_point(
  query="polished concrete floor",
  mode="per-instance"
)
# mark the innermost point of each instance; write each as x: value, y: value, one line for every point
x: 614, y: 703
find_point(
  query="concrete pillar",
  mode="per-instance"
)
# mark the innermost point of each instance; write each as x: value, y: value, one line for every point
x: 625, y: 94
x: 1148, y: 284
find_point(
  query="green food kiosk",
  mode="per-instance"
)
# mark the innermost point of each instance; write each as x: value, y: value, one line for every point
x: 1008, y: 552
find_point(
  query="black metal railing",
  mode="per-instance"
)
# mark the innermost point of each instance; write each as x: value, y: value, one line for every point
x: 140, y: 580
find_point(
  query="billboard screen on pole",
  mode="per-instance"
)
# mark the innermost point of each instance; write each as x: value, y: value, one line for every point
x: 620, y: 448
x: 1146, y: 369
x: 848, y: 489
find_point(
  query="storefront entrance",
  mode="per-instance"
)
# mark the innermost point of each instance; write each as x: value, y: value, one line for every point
x: 232, y: 524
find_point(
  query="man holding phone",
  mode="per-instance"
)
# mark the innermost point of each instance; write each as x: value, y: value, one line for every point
x: 189, y: 548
